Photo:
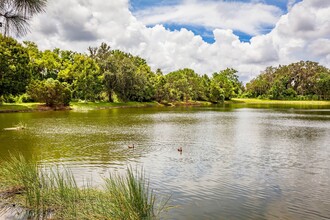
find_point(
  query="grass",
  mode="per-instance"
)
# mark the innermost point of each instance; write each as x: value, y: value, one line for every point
x: 46, y: 192
x: 79, y: 106
x: 85, y: 106
x: 278, y: 102
x: 18, y: 107
x: 108, y: 105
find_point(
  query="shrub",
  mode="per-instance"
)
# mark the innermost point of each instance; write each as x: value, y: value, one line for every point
x: 52, y: 92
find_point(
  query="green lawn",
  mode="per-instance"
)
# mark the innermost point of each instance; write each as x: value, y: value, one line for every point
x: 85, y: 106
x: 18, y: 107
x: 79, y: 106
x: 279, y: 102
x: 107, y: 105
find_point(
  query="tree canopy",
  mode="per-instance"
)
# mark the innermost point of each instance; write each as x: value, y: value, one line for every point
x: 301, y: 80
x: 113, y: 75
x: 15, y: 72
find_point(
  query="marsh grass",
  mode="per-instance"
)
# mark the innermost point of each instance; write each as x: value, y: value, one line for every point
x: 53, y: 193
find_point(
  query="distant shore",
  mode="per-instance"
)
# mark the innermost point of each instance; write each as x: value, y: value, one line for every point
x: 85, y: 106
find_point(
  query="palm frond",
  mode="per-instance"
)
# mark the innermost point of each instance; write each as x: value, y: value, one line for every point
x: 15, y: 23
x: 15, y: 15
x: 30, y: 7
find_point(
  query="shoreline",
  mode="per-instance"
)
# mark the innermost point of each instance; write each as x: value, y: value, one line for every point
x: 86, y: 106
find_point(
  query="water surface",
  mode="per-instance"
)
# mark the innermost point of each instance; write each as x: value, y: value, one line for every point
x: 237, y: 163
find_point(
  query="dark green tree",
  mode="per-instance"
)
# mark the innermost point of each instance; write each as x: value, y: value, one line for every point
x: 50, y: 91
x: 296, y: 80
x: 87, y: 84
x: 322, y: 85
x: 183, y: 85
x: 14, y: 67
x: 225, y: 85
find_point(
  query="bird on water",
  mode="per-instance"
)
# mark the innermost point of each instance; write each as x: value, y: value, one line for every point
x: 129, y: 146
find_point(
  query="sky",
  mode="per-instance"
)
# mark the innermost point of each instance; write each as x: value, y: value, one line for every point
x: 204, y: 35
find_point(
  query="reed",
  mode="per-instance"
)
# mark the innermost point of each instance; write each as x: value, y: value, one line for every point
x: 46, y: 193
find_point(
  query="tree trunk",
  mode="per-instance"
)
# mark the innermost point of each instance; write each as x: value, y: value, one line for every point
x: 110, y: 96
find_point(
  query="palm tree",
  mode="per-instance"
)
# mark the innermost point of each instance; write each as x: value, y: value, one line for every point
x: 15, y: 15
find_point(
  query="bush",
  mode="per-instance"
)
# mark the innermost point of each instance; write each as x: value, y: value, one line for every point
x: 24, y: 98
x: 9, y: 98
x: 52, y: 92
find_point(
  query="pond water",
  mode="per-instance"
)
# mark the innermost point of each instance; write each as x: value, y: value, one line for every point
x: 237, y: 163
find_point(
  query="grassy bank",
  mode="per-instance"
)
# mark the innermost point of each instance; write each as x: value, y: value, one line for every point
x: 108, y: 105
x: 85, y: 106
x: 277, y: 102
x: 54, y: 194
x: 79, y: 106
x: 18, y: 107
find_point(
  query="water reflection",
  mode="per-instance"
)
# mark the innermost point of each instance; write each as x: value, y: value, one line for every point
x: 237, y: 163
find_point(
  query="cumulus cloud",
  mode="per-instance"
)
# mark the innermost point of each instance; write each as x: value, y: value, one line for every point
x: 303, y: 33
x: 249, y: 18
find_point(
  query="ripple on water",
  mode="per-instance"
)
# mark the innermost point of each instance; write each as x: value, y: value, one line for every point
x: 235, y: 164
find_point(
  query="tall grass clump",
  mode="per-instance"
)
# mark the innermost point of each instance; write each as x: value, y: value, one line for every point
x: 131, y: 196
x: 47, y: 192
x: 41, y: 193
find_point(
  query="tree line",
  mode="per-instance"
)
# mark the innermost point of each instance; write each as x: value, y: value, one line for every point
x: 304, y: 80
x: 56, y: 77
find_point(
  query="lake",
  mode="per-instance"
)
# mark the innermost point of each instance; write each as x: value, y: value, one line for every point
x: 236, y: 163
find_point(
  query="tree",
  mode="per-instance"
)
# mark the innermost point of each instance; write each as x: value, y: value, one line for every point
x: 225, y: 85
x: 127, y: 76
x: 183, y: 85
x: 17, y: 13
x: 52, y: 92
x: 108, y: 65
x: 304, y: 79
x: 87, y: 83
x: 216, y: 93
x: 323, y: 85
x: 161, y: 91
x: 14, y: 67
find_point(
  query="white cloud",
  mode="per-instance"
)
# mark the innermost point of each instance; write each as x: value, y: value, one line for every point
x: 303, y: 33
x: 245, y: 17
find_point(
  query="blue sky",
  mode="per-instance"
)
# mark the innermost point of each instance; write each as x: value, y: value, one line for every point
x: 205, y: 32
x: 143, y: 4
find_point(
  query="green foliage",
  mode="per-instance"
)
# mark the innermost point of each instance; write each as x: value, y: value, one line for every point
x: 14, y: 67
x: 114, y: 75
x: 322, y: 85
x: 50, y: 91
x: 160, y: 88
x: 183, y: 85
x: 129, y: 77
x: 225, y: 85
x: 131, y: 197
x: 302, y: 80
x: 87, y: 83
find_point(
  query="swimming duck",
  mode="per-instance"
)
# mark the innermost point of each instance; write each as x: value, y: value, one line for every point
x: 131, y: 146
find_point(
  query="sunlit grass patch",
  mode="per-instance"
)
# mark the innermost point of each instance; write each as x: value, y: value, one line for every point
x: 81, y: 106
x: 280, y: 102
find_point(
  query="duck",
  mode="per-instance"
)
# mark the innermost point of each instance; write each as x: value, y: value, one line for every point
x: 180, y: 149
x: 131, y: 146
